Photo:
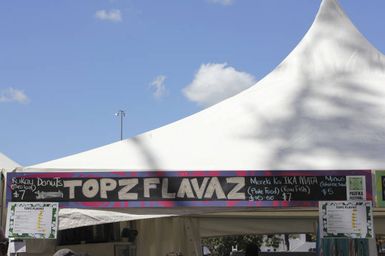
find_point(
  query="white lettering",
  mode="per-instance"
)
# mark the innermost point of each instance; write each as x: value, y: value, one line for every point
x: 90, y: 188
x: 165, y: 193
x: 128, y: 185
x: 106, y: 184
x: 185, y: 189
x: 150, y: 183
x: 234, y: 193
x: 215, y: 187
x: 71, y: 184
x: 200, y: 190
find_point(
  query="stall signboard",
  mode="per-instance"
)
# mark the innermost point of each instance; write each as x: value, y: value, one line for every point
x: 346, y: 219
x: 189, y: 188
x: 380, y: 188
x: 32, y: 220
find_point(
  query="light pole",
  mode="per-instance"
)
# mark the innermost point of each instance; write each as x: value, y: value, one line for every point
x: 122, y: 114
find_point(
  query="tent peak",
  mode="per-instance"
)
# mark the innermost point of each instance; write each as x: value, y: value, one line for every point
x: 334, y: 44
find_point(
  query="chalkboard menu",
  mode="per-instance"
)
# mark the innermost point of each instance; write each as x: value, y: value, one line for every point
x: 189, y: 188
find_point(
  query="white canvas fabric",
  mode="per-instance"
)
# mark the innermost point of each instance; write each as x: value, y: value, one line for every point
x: 322, y: 108
x: 72, y: 218
x: 6, y: 163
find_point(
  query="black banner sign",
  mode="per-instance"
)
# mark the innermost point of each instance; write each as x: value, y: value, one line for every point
x: 241, y: 187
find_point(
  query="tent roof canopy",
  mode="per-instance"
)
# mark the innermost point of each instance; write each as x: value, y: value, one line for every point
x: 322, y: 108
x: 6, y: 163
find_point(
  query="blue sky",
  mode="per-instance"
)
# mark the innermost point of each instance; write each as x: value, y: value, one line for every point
x: 67, y: 66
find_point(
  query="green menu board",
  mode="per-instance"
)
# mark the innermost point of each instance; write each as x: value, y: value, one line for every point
x: 380, y: 188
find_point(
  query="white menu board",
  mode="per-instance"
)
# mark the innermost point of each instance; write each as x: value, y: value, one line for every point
x: 351, y: 219
x: 32, y: 220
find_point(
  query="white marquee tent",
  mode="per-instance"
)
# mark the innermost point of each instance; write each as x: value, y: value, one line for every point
x: 322, y: 108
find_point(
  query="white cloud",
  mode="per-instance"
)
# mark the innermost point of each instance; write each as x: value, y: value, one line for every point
x: 111, y: 15
x: 158, y: 86
x: 222, y: 2
x: 216, y: 82
x: 13, y: 95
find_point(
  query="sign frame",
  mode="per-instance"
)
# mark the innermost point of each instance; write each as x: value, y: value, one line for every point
x: 380, y: 188
x: 45, y: 214
x: 348, y: 219
x: 26, y: 181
